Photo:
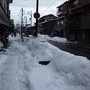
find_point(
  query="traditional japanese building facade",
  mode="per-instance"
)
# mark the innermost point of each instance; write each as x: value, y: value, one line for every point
x: 47, y: 24
x: 74, y: 15
x: 62, y: 20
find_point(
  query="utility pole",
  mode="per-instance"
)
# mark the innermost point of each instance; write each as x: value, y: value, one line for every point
x: 30, y: 13
x: 22, y: 24
x: 36, y: 15
x: 25, y: 18
x: 31, y: 18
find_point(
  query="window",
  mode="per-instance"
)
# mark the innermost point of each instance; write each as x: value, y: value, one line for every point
x: 86, y: 10
x: 76, y: 3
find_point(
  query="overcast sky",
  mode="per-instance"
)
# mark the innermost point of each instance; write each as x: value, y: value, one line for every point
x: 45, y: 7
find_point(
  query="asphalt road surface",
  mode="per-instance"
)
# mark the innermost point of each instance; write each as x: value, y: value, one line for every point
x: 66, y: 47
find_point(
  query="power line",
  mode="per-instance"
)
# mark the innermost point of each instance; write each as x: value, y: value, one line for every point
x: 51, y: 4
x: 46, y: 3
x: 18, y: 2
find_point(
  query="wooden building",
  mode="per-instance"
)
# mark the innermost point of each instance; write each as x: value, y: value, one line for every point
x: 48, y: 27
x: 62, y: 20
x: 4, y: 20
x: 74, y: 20
x: 85, y: 21
x: 47, y: 24
x: 79, y: 20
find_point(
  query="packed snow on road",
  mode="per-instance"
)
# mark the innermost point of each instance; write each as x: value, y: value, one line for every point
x: 20, y: 68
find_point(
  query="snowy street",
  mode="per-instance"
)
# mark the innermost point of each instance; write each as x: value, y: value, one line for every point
x: 20, y: 70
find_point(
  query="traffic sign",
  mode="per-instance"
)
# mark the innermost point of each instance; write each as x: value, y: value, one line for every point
x: 36, y: 15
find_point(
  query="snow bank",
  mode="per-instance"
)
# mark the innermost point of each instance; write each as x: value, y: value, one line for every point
x: 74, y: 69
x: 58, y: 39
x: 37, y: 49
x: 13, y: 38
x: 46, y: 37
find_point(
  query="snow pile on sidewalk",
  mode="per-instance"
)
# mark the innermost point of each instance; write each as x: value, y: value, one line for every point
x: 58, y: 39
x: 13, y: 38
x: 20, y: 70
x: 46, y: 37
x: 73, y: 71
